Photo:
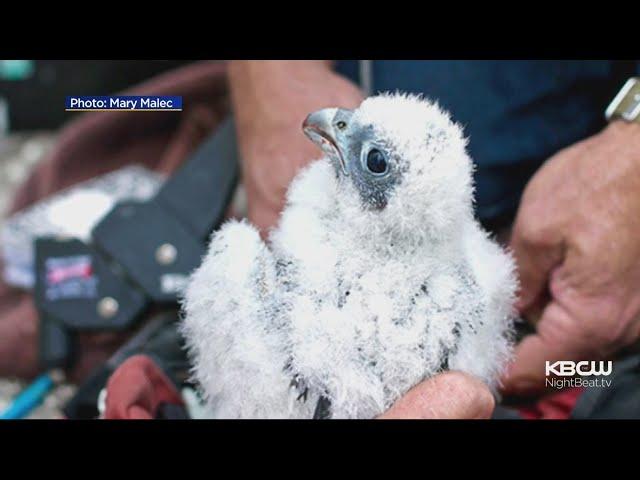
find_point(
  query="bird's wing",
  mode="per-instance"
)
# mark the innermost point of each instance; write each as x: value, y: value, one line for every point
x: 485, y: 347
x: 232, y: 327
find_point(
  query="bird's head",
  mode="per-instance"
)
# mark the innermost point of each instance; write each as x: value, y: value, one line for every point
x: 402, y: 157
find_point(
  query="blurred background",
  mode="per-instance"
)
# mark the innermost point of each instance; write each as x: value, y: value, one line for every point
x: 27, y: 133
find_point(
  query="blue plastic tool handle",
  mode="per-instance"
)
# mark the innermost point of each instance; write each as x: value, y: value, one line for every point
x: 29, y: 398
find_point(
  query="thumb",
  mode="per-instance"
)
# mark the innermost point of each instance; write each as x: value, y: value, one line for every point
x: 449, y: 395
x: 534, y: 261
x: 558, y: 337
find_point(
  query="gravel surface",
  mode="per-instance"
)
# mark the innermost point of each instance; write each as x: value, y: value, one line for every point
x: 18, y: 155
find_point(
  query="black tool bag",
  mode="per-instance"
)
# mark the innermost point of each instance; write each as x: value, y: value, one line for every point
x: 140, y: 257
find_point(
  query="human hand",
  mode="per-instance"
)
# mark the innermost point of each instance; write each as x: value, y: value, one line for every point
x: 576, y: 240
x: 449, y: 395
x: 271, y: 99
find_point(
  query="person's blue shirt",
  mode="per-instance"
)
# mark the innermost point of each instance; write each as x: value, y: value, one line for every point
x: 515, y: 113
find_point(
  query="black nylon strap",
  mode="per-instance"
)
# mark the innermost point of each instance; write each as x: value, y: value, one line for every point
x: 198, y: 194
x: 72, y: 283
x: 126, y: 244
x: 180, y: 218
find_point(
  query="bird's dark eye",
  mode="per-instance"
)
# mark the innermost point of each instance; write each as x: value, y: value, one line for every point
x: 341, y: 125
x: 376, y: 161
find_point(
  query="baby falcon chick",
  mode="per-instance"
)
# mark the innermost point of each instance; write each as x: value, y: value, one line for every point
x: 377, y: 276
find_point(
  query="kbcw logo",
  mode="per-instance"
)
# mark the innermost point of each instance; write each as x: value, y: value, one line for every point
x: 567, y: 368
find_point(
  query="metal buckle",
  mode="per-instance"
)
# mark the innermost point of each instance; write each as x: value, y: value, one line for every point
x: 626, y: 104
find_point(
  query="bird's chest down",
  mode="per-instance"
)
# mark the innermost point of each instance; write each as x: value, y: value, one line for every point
x: 366, y: 335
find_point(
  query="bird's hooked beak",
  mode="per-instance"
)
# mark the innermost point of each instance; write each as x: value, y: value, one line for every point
x: 321, y: 128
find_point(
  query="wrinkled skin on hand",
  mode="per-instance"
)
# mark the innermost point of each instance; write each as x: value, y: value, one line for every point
x: 576, y: 240
x: 271, y: 99
x: 448, y: 396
